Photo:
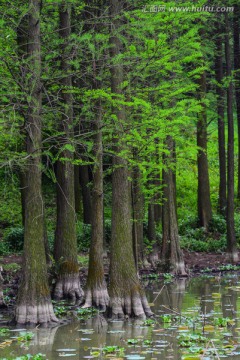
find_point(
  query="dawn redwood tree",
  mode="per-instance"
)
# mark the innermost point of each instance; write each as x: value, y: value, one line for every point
x: 33, y: 300
x: 126, y: 295
x: 231, y: 236
x: 96, y: 288
x: 204, y: 202
x: 221, y: 124
x: 96, y: 293
x: 236, y: 52
x: 171, y: 254
x: 65, y: 247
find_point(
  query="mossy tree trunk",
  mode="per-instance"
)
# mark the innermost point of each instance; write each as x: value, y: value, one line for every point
x: 2, y: 303
x: 222, y: 205
x: 231, y: 236
x: 204, y: 202
x: 86, y: 194
x: 96, y: 289
x: 171, y: 254
x: 126, y: 295
x: 33, y: 301
x: 138, y: 215
x: 236, y: 49
x: 65, y: 247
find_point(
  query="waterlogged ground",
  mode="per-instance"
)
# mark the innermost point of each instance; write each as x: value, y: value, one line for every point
x: 196, y: 318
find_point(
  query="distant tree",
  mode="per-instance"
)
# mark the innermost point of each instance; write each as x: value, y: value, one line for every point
x: 231, y: 236
x: 204, y: 202
x: 221, y: 124
x: 65, y: 247
x: 236, y: 53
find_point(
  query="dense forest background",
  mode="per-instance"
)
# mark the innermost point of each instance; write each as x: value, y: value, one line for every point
x: 120, y: 129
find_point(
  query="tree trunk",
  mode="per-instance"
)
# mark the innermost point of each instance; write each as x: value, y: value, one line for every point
x: 171, y: 254
x: 138, y: 216
x: 77, y: 190
x: 204, y: 202
x: 151, y: 222
x: 236, y: 49
x: 126, y: 295
x: 86, y: 194
x: 33, y: 301
x: 221, y: 125
x: 65, y: 247
x: 231, y: 237
x: 96, y: 288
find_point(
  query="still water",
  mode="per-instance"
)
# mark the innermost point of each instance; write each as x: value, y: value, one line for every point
x: 196, y: 318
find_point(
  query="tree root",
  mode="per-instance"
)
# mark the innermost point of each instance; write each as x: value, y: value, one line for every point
x: 97, y: 296
x: 135, y: 305
x: 41, y: 313
x: 68, y: 286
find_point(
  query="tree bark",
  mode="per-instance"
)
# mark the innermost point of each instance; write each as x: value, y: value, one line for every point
x: 221, y: 125
x: 236, y: 49
x: 33, y: 301
x: 77, y: 190
x: 2, y: 303
x: 138, y: 216
x: 86, y: 194
x: 151, y: 222
x: 204, y: 202
x: 65, y: 247
x: 171, y: 254
x: 231, y: 236
x: 126, y: 295
x: 96, y: 288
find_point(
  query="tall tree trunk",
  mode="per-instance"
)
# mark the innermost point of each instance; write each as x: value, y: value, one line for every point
x: 151, y: 222
x: 65, y: 247
x: 77, y: 190
x: 138, y: 215
x: 222, y: 205
x: 171, y: 254
x: 33, y: 301
x: 236, y: 48
x: 231, y: 236
x: 204, y: 202
x: 126, y: 295
x: 96, y: 289
x: 86, y: 194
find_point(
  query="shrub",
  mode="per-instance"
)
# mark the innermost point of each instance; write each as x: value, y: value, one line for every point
x: 14, y: 238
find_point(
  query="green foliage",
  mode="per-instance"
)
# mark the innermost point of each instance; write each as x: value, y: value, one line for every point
x: 28, y: 357
x: 4, y: 331
x: 12, y: 267
x: 113, y: 349
x: 86, y: 313
x: 60, y: 311
x: 25, y: 336
x: 14, y: 238
x: 83, y: 236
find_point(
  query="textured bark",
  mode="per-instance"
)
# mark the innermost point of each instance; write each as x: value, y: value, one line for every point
x: 86, y: 194
x: 231, y: 236
x: 126, y: 295
x: 65, y: 247
x: 77, y: 190
x: 171, y: 254
x: 236, y: 48
x: 138, y: 216
x: 221, y: 125
x: 204, y: 202
x: 151, y: 222
x: 33, y: 301
x: 96, y: 289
